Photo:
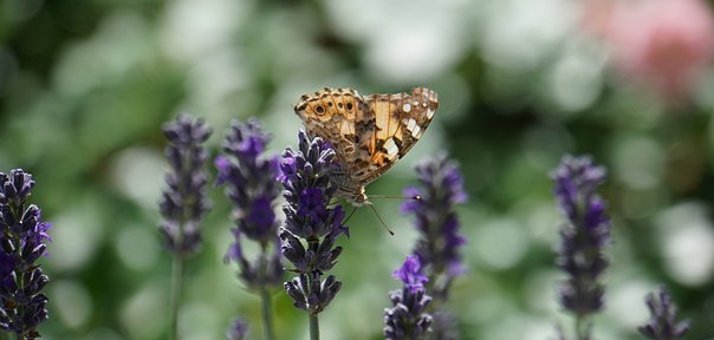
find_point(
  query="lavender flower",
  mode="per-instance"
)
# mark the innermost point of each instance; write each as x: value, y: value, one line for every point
x: 407, y: 318
x: 312, y: 223
x: 441, y: 188
x: 584, y: 235
x: 663, y: 314
x: 250, y: 180
x: 583, y: 238
x: 238, y: 331
x: 184, y: 204
x: 23, y: 238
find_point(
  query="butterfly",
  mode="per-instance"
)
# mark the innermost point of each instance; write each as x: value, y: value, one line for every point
x: 368, y: 133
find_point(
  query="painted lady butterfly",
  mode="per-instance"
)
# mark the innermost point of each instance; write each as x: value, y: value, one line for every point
x: 369, y: 134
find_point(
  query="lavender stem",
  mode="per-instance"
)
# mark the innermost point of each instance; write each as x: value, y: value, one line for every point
x: 267, y: 314
x: 176, y: 292
x: 581, y: 330
x: 314, y: 327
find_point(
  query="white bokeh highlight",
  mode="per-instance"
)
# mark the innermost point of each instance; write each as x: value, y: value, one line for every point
x: 686, y: 235
x: 138, y: 173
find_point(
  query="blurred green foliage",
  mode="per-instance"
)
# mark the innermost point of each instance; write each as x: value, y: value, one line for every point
x: 85, y: 86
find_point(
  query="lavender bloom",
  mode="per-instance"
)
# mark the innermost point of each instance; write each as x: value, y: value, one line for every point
x: 441, y: 187
x: 312, y: 224
x: 444, y: 326
x: 411, y: 275
x: 23, y: 238
x: 662, y: 324
x: 184, y: 204
x: 238, y: 331
x: 584, y: 235
x: 250, y: 180
x: 407, y: 318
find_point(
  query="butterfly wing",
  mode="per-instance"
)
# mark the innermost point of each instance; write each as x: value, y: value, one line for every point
x: 396, y: 122
x: 332, y: 114
x: 369, y: 134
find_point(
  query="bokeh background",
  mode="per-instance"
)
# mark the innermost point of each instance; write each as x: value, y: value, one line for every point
x: 86, y: 84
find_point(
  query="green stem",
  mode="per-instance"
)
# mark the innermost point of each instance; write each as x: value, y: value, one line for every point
x: 176, y: 290
x: 268, y: 329
x: 314, y: 327
x: 581, y: 327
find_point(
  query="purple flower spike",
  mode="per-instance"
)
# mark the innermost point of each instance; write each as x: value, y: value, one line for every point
x: 432, y: 203
x: 312, y: 223
x: 583, y: 237
x: 184, y: 203
x: 441, y: 188
x: 663, y: 323
x: 23, y: 240
x: 249, y: 176
x: 250, y: 180
x: 407, y: 319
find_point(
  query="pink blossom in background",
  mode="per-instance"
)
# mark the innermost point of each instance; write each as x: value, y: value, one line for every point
x: 662, y: 44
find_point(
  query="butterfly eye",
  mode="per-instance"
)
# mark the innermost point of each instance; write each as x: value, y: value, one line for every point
x: 320, y: 110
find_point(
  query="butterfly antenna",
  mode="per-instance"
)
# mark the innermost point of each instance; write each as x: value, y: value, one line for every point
x: 350, y: 215
x: 415, y: 197
x: 384, y: 225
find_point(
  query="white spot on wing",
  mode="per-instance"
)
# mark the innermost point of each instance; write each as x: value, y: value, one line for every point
x: 406, y: 107
x: 413, y: 127
x: 429, y: 113
x: 391, y: 147
x: 416, y: 132
x: 411, y: 124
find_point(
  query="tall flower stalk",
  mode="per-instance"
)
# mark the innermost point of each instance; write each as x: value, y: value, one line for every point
x: 250, y: 178
x: 23, y: 240
x: 184, y: 203
x: 312, y: 225
x: 582, y: 239
x: 432, y: 203
x: 408, y: 319
x: 663, y: 324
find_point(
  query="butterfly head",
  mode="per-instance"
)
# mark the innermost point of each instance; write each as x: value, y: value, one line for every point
x: 355, y: 195
x: 360, y: 198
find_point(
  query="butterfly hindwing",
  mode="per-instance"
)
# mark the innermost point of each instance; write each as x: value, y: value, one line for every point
x: 400, y: 120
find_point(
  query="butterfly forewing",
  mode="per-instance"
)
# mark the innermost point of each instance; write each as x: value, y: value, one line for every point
x: 400, y: 120
x: 369, y: 134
